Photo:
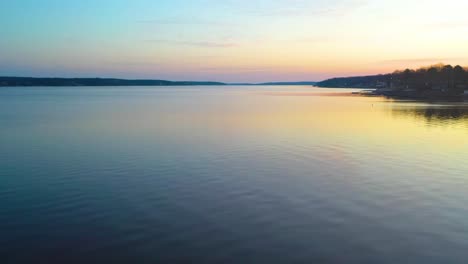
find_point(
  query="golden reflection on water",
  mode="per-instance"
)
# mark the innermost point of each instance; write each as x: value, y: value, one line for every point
x: 319, y: 115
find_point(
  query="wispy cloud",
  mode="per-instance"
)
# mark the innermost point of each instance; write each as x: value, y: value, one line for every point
x: 201, y: 44
x: 136, y: 63
x: 335, y: 8
x: 183, y: 21
x: 298, y: 8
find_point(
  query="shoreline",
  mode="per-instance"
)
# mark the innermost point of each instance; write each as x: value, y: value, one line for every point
x: 412, y: 95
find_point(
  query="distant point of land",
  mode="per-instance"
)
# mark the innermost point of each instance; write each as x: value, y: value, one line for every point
x: 27, y: 81
x: 30, y: 81
x: 432, y: 82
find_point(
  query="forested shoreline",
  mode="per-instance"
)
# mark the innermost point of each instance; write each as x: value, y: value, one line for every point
x: 434, y: 80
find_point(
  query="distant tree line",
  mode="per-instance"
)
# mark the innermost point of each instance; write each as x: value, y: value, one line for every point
x: 26, y: 81
x: 440, y: 77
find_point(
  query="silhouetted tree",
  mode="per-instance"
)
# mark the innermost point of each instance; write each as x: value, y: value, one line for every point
x: 458, y: 75
x: 447, y: 75
x: 432, y: 74
x: 406, y: 77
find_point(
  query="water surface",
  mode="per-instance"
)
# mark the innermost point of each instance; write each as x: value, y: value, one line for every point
x: 230, y: 175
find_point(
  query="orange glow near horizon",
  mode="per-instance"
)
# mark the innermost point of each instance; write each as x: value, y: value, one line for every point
x: 231, y: 41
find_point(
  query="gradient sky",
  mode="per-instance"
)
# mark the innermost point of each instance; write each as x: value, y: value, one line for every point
x: 228, y: 40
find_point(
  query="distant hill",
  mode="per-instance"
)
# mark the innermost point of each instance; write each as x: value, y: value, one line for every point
x: 276, y: 83
x: 435, y: 82
x: 371, y: 81
x: 27, y: 81
x: 289, y: 83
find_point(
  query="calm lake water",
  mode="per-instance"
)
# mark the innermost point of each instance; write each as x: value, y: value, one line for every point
x: 230, y: 175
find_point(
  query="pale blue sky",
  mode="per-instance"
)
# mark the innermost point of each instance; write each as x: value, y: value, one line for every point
x: 231, y: 40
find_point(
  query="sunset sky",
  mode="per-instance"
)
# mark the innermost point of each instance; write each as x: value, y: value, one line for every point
x: 228, y: 40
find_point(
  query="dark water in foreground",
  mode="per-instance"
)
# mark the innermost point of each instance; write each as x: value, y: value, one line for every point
x: 230, y: 175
